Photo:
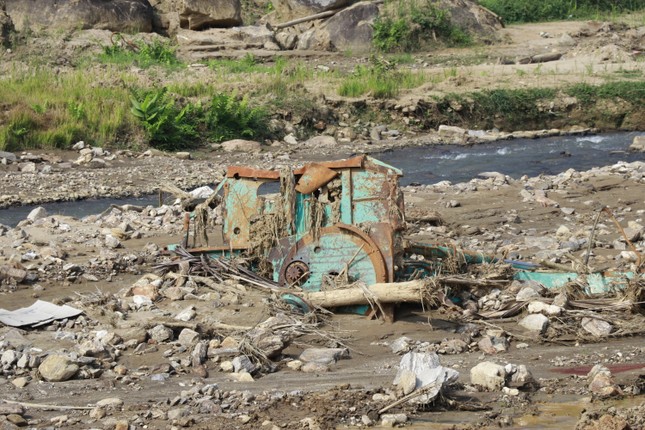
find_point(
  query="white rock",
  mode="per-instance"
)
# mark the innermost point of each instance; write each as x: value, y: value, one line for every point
x: 187, y: 314
x: 322, y: 142
x: 390, y: 420
x: 401, y: 345
x: 544, y: 308
x: 37, y: 213
x: 188, y: 337
x: 241, y: 145
x: 596, y: 327
x: 488, y: 375
x: 535, y: 322
x: 428, y: 370
x: 290, y: 139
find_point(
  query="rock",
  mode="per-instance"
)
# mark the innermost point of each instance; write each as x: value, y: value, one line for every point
x: 20, y: 382
x: 57, y: 368
x: 543, y: 308
x: 401, y: 345
x: 322, y: 142
x: 286, y: 40
x: 289, y: 9
x: 351, y: 28
x: 13, y: 421
x: 407, y: 381
x: 323, y: 355
x: 428, y: 370
x: 188, y: 337
x: 9, y: 156
x: 520, y: 376
x: 314, y: 367
x: 390, y: 420
x: 528, y: 293
x: 187, y: 314
x: 488, y: 375
x: 243, y: 377
x: 290, y: 139
x: 241, y: 145
x: 199, y: 354
x: 493, y: 344
x: 242, y: 363
x: 535, y: 322
x: 36, y: 214
x: 596, y: 327
x: 452, y: 133
x: 294, y: 364
x: 112, y: 242
x: 9, y: 357
x: 174, y: 293
x: 114, y: 15
x: 601, y: 383
x: 161, y: 333
x: 28, y: 167
x: 638, y: 144
x: 9, y: 409
x: 110, y: 403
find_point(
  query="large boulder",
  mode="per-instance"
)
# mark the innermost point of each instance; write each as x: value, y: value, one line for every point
x: 350, y: 29
x: 114, y: 15
x: 289, y: 9
x: 171, y: 15
x: 6, y: 26
x: 477, y: 20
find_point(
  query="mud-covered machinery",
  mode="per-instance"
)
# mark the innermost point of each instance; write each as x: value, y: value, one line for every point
x: 331, y: 221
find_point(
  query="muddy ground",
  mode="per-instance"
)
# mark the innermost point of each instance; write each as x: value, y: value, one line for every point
x: 157, y: 386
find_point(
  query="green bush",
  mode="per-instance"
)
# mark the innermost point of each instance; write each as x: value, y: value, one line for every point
x: 531, y: 11
x: 169, y: 127
x: 229, y: 118
x: 411, y: 25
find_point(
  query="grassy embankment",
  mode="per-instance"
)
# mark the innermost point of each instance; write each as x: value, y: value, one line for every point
x: 47, y: 109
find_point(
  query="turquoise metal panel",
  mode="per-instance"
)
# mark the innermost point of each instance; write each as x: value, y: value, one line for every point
x: 598, y: 283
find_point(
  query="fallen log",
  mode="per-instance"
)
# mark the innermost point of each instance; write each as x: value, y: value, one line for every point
x: 397, y: 292
x: 541, y: 58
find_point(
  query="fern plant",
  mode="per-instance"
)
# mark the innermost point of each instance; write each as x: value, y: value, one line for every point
x: 169, y: 126
x: 229, y: 118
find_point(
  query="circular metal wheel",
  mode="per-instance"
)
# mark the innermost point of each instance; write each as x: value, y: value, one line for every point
x: 340, y: 249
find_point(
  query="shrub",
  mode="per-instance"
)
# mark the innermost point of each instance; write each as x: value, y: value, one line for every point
x: 169, y: 127
x: 410, y: 25
x: 229, y: 118
x: 545, y: 10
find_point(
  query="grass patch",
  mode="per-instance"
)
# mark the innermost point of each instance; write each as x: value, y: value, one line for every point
x: 141, y: 54
x: 379, y: 81
x: 632, y: 92
x: 50, y: 111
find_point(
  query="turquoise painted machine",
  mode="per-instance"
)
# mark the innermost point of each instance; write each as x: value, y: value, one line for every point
x: 333, y: 220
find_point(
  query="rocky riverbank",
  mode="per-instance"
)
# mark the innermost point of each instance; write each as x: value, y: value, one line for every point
x: 169, y: 351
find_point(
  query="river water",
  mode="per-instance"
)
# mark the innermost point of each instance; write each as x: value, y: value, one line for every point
x: 431, y: 164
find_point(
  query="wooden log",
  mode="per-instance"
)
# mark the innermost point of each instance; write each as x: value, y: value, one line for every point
x: 320, y: 15
x: 395, y: 292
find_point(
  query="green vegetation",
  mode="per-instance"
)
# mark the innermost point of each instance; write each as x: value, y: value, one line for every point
x: 229, y: 118
x: 381, y: 80
x: 51, y: 111
x: 513, y: 11
x: 414, y: 24
x: 632, y: 92
x: 144, y: 55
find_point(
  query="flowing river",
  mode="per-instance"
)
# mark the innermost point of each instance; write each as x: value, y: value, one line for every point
x: 431, y: 164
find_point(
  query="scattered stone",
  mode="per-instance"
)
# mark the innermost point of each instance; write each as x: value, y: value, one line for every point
x: 324, y: 355
x: 601, y: 382
x: 535, y: 322
x: 543, y: 308
x: 242, y: 363
x: 187, y: 314
x: 20, y: 382
x: 160, y: 333
x: 37, y: 213
x: 401, y: 345
x: 638, y: 144
x: 110, y: 403
x: 57, y: 368
x: 488, y: 375
x: 390, y: 420
x: 241, y: 145
x: 428, y: 370
x: 596, y: 327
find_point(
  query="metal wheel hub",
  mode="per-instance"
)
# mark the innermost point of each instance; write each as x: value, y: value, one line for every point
x: 296, y: 273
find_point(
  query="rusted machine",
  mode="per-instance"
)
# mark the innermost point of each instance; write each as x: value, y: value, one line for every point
x: 331, y: 221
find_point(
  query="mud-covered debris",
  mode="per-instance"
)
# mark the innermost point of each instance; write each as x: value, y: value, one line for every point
x: 430, y: 375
